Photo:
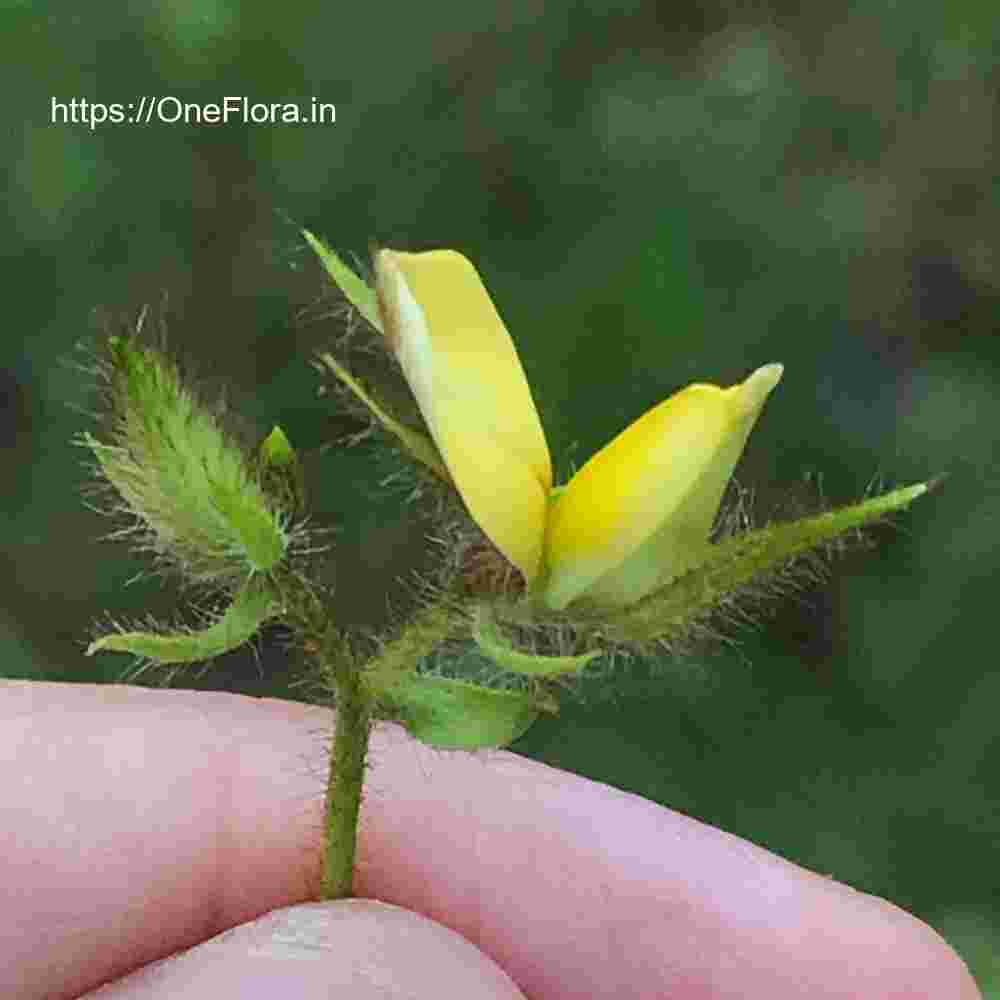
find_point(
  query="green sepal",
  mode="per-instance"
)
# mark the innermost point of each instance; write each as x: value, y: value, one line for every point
x: 416, y: 443
x: 422, y: 634
x: 738, y: 561
x: 251, y: 607
x: 458, y: 715
x: 364, y: 299
x: 357, y: 291
x: 495, y: 645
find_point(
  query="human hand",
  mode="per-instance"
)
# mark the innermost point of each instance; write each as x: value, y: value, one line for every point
x: 137, y: 823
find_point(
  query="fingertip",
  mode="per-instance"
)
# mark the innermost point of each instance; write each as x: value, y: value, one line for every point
x: 913, y: 960
x: 364, y: 949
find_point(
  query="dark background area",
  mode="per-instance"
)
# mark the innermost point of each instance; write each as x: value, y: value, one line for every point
x: 655, y: 194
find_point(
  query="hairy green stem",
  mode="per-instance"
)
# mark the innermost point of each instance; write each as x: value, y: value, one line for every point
x: 346, y: 778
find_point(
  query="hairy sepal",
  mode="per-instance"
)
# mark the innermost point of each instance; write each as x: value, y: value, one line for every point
x: 416, y: 444
x: 495, y: 644
x: 738, y: 562
x: 251, y: 607
x: 355, y: 289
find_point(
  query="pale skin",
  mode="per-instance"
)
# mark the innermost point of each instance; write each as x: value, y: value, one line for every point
x: 135, y: 824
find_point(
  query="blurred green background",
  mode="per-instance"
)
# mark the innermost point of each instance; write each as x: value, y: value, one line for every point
x: 655, y: 194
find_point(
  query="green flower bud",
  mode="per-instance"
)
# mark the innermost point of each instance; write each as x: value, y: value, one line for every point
x: 190, y: 486
x: 280, y: 470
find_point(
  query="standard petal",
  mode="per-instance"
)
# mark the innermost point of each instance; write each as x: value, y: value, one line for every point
x: 640, y: 511
x: 468, y: 381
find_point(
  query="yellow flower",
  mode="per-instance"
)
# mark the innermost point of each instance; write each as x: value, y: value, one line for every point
x: 635, y: 516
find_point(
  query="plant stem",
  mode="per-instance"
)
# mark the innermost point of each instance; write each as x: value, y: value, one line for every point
x: 346, y: 777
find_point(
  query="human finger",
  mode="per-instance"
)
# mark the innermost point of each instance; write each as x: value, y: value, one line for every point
x: 357, y: 948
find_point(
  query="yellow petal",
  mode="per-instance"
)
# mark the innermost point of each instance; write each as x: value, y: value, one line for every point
x: 640, y: 511
x: 468, y: 381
